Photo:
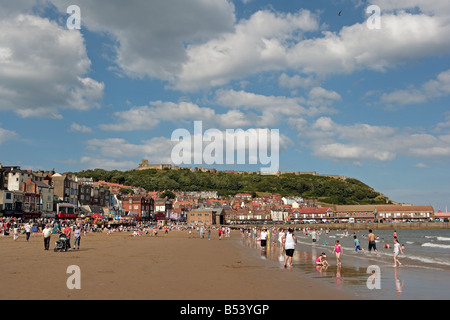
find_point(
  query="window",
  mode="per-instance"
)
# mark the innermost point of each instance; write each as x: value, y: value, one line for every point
x: 8, y: 196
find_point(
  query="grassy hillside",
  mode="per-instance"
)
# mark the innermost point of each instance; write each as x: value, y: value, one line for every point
x: 323, y: 189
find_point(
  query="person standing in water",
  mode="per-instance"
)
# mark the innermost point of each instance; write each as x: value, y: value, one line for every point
x: 289, y: 242
x: 397, y: 250
x: 338, y: 250
x: 372, y: 243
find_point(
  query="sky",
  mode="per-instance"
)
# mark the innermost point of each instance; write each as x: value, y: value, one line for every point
x: 348, y: 91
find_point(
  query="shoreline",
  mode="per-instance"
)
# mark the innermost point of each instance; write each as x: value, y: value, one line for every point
x: 166, y: 267
x: 354, y: 226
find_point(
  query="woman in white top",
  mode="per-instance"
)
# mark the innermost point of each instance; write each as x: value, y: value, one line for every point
x: 289, y: 243
x: 263, y: 238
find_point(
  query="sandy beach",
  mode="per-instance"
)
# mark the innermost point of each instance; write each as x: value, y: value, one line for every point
x: 166, y: 267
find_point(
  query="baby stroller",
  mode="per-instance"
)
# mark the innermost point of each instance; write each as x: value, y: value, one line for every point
x: 61, y: 244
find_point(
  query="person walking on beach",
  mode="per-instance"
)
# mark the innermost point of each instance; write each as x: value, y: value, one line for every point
x: 28, y: 231
x: 289, y: 242
x: 397, y: 250
x: 47, y: 234
x: 67, y: 231
x: 77, y: 238
x: 209, y: 233
x: 15, y: 232
x: 338, y: 250
x: 263, y: 238
x: 372, y: 243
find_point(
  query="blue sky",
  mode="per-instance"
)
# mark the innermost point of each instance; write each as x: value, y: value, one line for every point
x: 349, y: 100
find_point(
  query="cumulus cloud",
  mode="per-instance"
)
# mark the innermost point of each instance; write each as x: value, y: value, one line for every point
x: 44, y: 69
x: 435, y: 88
x: 363, y: 142
x: 181, y: 113
x: 75, y: 127
x: 279, y: 44
x: 257, y: 44
x: 151, y: 36
x: 199, y: 44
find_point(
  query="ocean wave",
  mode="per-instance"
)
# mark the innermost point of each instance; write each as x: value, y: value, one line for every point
x: 436, y: 245
x: 443, y: 239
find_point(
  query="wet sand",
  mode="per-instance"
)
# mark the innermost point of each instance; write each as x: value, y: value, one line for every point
x: 166, y: 267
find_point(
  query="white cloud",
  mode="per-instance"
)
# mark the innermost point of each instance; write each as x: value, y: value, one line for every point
x: 43, y: 69
x: 199, y: 44
x: 297, y: 81
x: 75, y: 127
x: 182, y: 113
x: 151, y: 35
x: 120, y: 152
x: 6, y: 135
x: 252, y: 48
x: 363, y: 142
x: 257, y: 44
x: 435, y: 88
x: 107, y: 164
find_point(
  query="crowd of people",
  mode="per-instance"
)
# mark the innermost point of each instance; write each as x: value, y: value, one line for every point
x: 287, y: 241
x: 73, y: 230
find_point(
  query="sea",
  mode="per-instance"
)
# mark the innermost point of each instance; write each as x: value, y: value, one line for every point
x: 424, y: 274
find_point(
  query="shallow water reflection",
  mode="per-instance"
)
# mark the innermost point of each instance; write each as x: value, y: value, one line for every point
x: 368, y: 277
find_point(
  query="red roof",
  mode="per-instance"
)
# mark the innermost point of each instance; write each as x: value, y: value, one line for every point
x: 441, y: 214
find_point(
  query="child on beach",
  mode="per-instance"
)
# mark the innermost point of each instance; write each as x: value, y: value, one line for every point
x: 338, y: 250
x: 357, y: 245
x: 322, y: 260
x: 397, y: 250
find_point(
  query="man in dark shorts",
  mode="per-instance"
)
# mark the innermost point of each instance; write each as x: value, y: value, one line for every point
x: 372, y: 243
